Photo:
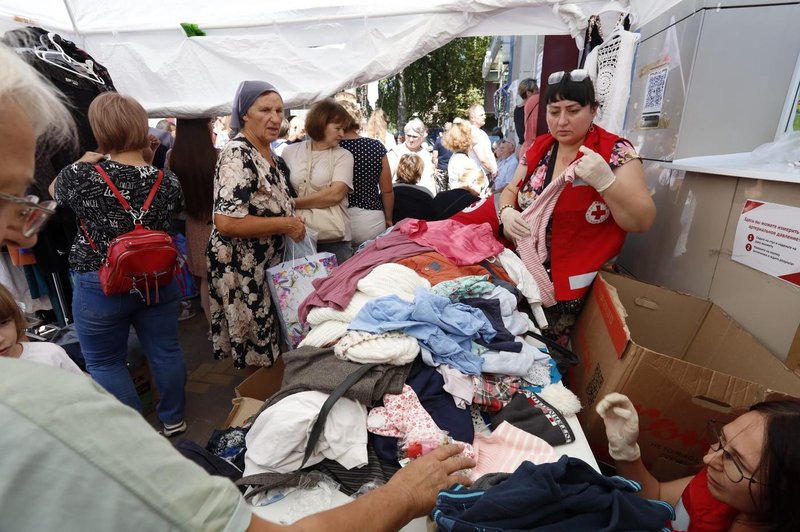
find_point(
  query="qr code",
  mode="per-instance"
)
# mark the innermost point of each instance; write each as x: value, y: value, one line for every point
x: 656, y: 83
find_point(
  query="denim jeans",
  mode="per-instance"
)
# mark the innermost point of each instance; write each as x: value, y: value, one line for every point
x: 103, y: 323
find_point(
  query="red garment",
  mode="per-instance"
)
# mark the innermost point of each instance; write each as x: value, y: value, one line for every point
x: 584, y: 234
x: 699, y: 511
x: 531, y: 121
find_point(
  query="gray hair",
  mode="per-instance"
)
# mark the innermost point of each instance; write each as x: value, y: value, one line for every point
x: 42, y: 103
x: 415, y: 125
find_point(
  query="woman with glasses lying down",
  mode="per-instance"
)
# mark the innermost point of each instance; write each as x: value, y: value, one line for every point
x: 576, y: 193
x: 751, y: 473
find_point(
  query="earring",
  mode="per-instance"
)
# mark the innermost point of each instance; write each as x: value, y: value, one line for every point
x: 591, y: 127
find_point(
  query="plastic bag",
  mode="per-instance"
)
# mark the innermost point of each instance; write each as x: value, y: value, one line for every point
x: 305, y: 248
x: 315, y: 494
x: 784, y: 150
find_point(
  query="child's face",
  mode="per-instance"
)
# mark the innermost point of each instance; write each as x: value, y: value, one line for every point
x: 8, y: 336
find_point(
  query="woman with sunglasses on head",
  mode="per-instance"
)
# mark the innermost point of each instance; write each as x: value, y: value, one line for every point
x: 750, y: 478
x: 581, y: 189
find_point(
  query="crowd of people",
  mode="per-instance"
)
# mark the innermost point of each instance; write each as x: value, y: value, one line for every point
x: 76, y: 457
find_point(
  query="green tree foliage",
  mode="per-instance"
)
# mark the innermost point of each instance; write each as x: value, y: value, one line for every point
x: 438, y: 87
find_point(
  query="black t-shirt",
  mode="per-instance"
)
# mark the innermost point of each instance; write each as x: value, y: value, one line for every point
x: 81, y: 188
x: 443, y: 154
x: 519, y: 123
x: 412, y: 201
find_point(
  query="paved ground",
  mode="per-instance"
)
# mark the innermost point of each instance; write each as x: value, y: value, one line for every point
x: 210, y: 385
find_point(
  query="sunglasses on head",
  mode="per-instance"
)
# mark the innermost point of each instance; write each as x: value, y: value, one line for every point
x: 579, y: 74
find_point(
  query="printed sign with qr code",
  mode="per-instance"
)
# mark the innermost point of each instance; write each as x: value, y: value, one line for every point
x: 654, y: 93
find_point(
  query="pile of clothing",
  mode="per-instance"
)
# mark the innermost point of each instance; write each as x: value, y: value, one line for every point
x: 429, y: 327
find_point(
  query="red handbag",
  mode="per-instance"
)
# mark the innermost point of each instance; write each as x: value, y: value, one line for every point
x: 140, y: 259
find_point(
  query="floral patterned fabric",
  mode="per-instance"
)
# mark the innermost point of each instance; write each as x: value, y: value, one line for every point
x: 244, y: 324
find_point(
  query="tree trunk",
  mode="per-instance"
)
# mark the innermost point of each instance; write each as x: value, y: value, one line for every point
x: 401, y: 102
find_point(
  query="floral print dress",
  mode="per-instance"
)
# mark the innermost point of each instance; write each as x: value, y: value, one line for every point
x: 244, y: 323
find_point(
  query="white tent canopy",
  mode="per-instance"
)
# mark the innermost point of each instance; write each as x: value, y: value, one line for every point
x: 309, y: 49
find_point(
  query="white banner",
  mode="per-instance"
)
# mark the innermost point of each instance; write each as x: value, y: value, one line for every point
x: 768, y: 239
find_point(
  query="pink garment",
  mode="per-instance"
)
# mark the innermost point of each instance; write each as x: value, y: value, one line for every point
x: 531, y: 121
x: 336, y: 290
x: 532, y: 249
x: 462, y: 244
x: 506, y: 449
x: 403, y: 416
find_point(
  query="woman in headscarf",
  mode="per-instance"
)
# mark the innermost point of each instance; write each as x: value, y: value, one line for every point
x: 253, y: 211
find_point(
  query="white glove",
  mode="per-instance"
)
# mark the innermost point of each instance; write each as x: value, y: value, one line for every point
x: 593, y: 169
x: 514, y: 225
x: 622, y: 427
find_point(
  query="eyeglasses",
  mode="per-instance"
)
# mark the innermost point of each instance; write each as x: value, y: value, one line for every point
x: 33, y: 213
x: 733, y: 469
x: 579, y: 74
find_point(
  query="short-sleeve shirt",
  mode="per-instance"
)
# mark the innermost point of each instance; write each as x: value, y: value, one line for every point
x: 621, y: 153
x: 326, y: 166
x: 80, y: 187
x: 77, y: 459
x: 368, y: 157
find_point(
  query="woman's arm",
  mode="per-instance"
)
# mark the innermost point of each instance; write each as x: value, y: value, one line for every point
x: 331, y: 195
x: 387, y: 191
x: 629, y: 200
x: 258, y: 226
x: 651, y: 488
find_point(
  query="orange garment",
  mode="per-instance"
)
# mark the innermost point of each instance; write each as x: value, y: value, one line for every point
x: 21, y: 256
x: 436, y: 268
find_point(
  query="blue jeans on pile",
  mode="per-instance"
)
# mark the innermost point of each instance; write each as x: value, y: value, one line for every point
x: 103, y: 323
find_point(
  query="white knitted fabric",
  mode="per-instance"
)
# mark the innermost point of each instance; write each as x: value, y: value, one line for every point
x: 392, y: 279
x: 319, y: 315
x: 325, y: 333
x: 394, y: 348
x: 609, y: 66
x: 561, y: 398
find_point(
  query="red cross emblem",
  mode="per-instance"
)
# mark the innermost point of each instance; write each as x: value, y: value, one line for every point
x: 597, y: 213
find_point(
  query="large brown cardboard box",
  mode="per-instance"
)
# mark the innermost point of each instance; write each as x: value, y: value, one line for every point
x: 253, y: 391
x: 680, y: 359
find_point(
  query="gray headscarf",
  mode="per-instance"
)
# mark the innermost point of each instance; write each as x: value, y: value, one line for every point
x: 247, y: 93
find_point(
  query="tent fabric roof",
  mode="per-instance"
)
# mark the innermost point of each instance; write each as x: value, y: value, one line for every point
x: 309, y: 49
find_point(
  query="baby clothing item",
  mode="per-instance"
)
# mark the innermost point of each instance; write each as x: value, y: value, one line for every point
x: 457, y: 384
x: 393, y: 348
x: 506, y: 448
x: 493, y: 392
x: 464, y: 287
x: 402, y: 416
x: 276, y: 442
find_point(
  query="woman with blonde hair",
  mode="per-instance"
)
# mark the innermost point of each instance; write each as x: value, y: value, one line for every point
x: 378, y: 128
x: 458, y: 139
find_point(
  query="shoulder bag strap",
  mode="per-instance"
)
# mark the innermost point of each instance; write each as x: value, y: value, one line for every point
x: 121, y: 198
x: 340, y: 390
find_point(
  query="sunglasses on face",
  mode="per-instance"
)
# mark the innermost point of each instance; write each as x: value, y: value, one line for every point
x: 579, y: 74
x: 32, y: 213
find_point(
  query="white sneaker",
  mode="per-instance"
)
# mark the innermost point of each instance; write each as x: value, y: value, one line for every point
x: 171, y: 430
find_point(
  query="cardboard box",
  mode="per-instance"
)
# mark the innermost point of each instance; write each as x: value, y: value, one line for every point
x: 263, y: 383
x: 145, y: 389
x: 243, y: 409
x: 680, y: 359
